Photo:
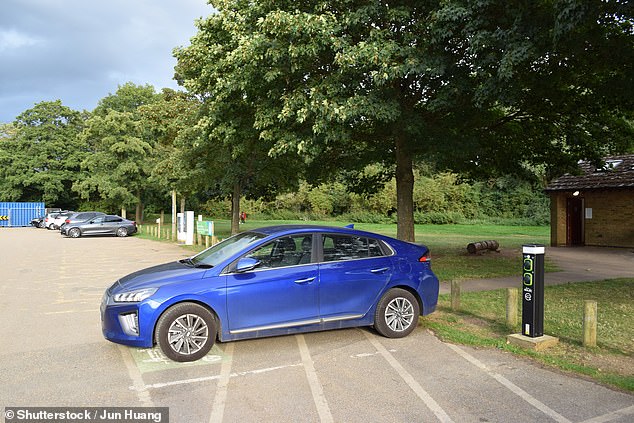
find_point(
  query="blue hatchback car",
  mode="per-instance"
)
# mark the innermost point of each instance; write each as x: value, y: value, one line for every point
x: 272, y: 281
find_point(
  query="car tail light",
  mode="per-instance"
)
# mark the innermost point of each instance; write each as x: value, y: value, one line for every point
x: 67, y: 221
x: 425, y: 258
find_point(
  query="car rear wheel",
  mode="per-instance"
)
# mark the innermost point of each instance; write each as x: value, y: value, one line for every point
x: 74, y: 233
x: 396, y: 314
x: 122, y: 232
x: 186, y: 332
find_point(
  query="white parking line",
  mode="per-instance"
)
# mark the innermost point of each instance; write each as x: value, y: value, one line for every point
x: 137, y: 380
x: 209, y: 378
x: 313, y: 381
x: 218, y: 409
x: 409, y: 379
x: 611, y: 416
x: 511, y: 386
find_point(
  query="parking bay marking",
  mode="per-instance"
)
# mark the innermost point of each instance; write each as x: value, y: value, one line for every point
x: 209, y: 378
x: 511, y: 386
x: 433, y: 406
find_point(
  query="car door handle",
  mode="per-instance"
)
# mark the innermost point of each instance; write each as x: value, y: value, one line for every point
x: 307, y: 280
x: 381, y: 270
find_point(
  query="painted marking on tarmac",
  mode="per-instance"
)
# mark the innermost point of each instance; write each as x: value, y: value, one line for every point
x: 313, y: 381
x: 611, y: 416
x: 218, y: 408
x: 433, y: 406
x: 135, y: 376
x: 210, y: 378
x: 152, y: 359
x: 511, y: 386
x: 364, y: 355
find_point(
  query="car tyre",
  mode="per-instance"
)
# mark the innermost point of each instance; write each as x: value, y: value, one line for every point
x: 396, y: 313
x: 122, y: 232
x: 41, y: 225
x: 74, y: 233
x: 186, y: 332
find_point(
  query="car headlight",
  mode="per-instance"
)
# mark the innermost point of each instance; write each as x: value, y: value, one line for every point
x: 134, y: 296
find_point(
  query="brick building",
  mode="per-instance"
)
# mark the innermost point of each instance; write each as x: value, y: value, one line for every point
x: 595, y: 207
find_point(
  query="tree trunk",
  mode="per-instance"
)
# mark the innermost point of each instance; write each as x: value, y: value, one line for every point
x: 235, y: 208
x: 183, y: 204
x: 404, y: 192
x: 138, y: 215
x: 173, y: 214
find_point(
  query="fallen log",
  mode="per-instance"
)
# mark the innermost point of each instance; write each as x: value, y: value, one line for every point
x: 491, y: 245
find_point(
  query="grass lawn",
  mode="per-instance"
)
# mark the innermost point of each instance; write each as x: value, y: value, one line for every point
x: 481, y: 322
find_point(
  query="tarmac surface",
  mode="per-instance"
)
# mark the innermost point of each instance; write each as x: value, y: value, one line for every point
x: 52, y: 353
x: 577, y: 264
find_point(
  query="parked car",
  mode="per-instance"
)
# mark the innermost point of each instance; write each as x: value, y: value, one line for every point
x: 38, y: 222
x: 49, y: 219
x: 59, y: 219
x: 80, y: 217
x: 272, y: 281
x: 100, y: 225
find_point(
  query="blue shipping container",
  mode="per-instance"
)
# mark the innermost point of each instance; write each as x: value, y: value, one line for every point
x: 19, y: 214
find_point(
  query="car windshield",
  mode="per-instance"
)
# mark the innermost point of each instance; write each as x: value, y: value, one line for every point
x: 227, y: 248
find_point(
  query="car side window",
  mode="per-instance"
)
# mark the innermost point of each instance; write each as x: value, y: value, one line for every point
x: 347, y: 247
x: 285, y: 251
x: 97, y: 220
x: 113, y: 219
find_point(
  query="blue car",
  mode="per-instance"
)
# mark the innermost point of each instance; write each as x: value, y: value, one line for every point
x: 272, y: 281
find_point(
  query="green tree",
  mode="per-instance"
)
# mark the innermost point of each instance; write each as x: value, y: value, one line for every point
x: 236, y: 160
x: 40, y: 155
x: 122, y: 150
x: 481, y: 86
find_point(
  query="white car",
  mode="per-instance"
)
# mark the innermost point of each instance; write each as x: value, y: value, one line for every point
x: 55, y: 220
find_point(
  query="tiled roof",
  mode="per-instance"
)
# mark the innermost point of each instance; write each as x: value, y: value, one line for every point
x: 618, y: 173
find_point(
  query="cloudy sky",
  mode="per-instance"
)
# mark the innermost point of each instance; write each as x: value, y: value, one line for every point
x: 79, y: 51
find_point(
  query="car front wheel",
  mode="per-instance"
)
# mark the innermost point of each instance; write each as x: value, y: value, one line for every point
x: 74, y: 233
x: 186, y: 332
x: 396, y: 314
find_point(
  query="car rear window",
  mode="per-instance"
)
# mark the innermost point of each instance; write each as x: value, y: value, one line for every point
x: 347, y: 247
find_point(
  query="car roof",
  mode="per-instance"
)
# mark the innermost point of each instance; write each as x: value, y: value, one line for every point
x: 289, y: 229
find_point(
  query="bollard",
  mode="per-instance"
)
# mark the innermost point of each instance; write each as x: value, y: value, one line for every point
x: 455, y: 295
x: 512, y: 305
x: 590, y: 323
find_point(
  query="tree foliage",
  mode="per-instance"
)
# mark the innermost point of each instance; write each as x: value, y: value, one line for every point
x: 40, y: 154
x: 121, y: 151
x: 480, y: 86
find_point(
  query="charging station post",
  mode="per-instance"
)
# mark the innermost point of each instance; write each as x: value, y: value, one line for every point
x: 532, y: 335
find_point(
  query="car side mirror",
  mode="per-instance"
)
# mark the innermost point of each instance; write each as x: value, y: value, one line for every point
x: 245, y: 264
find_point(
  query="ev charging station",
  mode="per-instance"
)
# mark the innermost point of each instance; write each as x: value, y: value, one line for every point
x: 532, y: 332
x: 533, y: 290
x: 185, y: 227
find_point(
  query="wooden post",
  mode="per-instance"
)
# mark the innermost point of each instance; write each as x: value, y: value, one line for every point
x: 123, y: 213
x: 160, y: 228
x: 206, y: 241
x: 455, y: 295
x: 512, y: 305
x: 214, y: 240
x: 590, y: 323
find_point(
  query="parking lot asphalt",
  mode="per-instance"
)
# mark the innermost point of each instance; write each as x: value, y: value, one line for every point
x: 52, y: 354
